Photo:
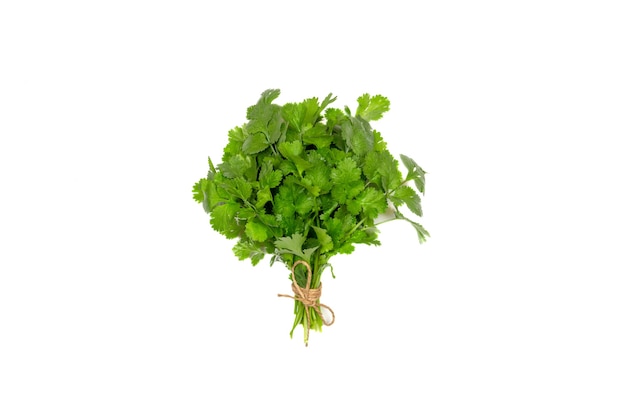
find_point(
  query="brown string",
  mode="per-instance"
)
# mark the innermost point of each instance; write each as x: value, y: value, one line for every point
x: 308, y: 296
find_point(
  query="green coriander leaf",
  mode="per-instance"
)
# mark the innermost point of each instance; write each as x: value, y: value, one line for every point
x: 379, y: 143
x: 210, y: 195
x: 224, y: 220
x: 311, y: 111
x: 263, y: 196
x: 358, y: 136
x: 422, y: 234
x: 407, y: 195
x: 255, y: 143
x: 236, y: 134
x: 372, y: 108
x: 325, y: 241
x: 317, y: 136
x: 370, y: 201
x: 381, y: 168
x: 347, y: 248
x: 235, y: 166
x: 346, y: 172
x: 198, y: 190
x: 293, y: 245
x: 238, y: 187
x: 257, y: 231
x: 269, y: 95
x: 268, y: 177
x: 416, y: 173
x: 294, y: 115
x: 245, y: 249
x: 319, y: 176
x: 334, y: 117
x: 293, y: 151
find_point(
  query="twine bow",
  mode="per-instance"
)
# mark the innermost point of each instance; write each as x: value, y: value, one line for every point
x: 309, y: 297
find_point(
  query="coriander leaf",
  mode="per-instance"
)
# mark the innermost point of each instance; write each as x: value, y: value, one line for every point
x: 292, y: 198
x: 382, y: 169
x: 238, y: 187
x: 268, y: 177
x: 269, y: 95
x: 346, y: 172
x: 245, y: 249
x: 422, y: 234
x: 263, y: 196
x: 406, y: 195
x: 257, y: 231
x: 370, y: 201
x: 358, y: 136
x: 328, y: 100
x: 325, y: 241
x: 255, y: 143
x: 334, y: 117
x: 210, y: 196
x: 293, y: 245
x: 416, y: 173
x: 372, y: 108
x: 198, y: 190
x: 319, y: 176
x: 317, y: 136
x: 224, y: 220
x: 236, y: 134
x: 235, y: 166
x: 293, y: 113
x: 379, y: 142
x: 292, y: 151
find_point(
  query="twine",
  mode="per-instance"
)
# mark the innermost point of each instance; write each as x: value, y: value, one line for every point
x: 308, y: 296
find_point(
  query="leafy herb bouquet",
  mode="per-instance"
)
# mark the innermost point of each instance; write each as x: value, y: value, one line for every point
x: 303, y: 182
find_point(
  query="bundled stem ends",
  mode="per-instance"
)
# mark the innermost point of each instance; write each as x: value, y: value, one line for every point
x: 309, y: 298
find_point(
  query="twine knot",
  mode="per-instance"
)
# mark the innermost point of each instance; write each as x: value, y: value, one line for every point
x: 309, y: 297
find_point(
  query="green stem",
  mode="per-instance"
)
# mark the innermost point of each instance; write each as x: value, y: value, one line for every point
x: 385, y: 221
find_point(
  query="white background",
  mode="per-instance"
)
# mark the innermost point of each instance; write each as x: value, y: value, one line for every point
x: 118, y: 299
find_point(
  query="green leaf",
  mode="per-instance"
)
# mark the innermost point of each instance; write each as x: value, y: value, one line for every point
x: 268, y: 177
x: 224, y: 220
x: 263, y: 196
x: 334, y: 117
x: 346, y: 172
x: 236, y: 134
x: 325, y: 241
x: 235, y: 166
x: 255, y: 143
x: 257, y: 231
x: 347, y: 182
x: 416, y: 173
x: 358, y: 136
x: 293, y: 151
x: 198, y: 190
x: 238, y: 187
x: 370, y: 201
x: 382, y: 169
x: 293, y: 245
x: 422, y: 234
x: 292, y: 198
x: 407, y: 195
x: 245, y: 249
x: 372, y: 108
x: 317, y: 136
x: 319, y: 176
x: 294, y: 114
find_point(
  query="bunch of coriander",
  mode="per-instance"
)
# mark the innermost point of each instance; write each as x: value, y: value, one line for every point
x: 303, y: 182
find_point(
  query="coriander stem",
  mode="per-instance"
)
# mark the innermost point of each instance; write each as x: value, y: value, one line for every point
x: 385, y: 221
